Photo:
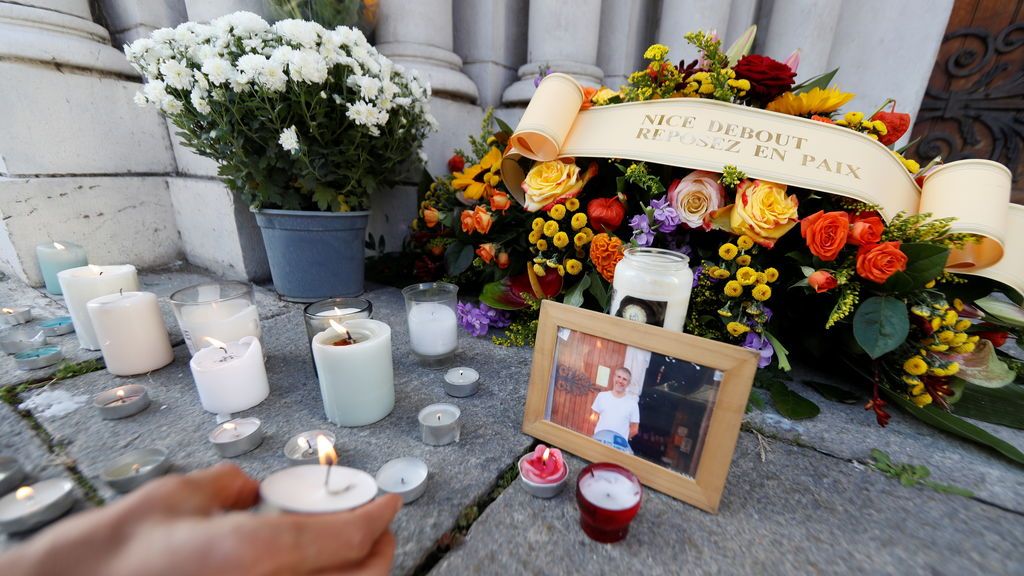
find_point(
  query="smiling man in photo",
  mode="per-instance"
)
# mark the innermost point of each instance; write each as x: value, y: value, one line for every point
x: 618, y: 413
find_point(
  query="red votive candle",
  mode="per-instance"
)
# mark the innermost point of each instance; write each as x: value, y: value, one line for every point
x: 609, y: 497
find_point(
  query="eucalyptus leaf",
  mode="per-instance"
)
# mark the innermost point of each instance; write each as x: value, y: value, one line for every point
x: 790, y: 404
x: 574, y: 296
x: 880, y: 325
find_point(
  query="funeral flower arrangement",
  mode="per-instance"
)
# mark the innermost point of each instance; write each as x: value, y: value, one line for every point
x: 773, y: 264
x: 297, y: 116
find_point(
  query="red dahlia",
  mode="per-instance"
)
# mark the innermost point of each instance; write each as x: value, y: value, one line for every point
x: 768, y: 78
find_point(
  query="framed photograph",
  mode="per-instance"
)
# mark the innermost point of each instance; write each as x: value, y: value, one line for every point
x: 664, y: 404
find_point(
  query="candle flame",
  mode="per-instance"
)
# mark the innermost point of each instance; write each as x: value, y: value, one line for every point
x: 216, y: 343
x: 325, y: 450
x: 59, y: 246
x: 8, y: 311
x: 229, y: 426
x: 120, y: 393
x: 544, y: 458
x: 24, y: 493
x: 339, y: 328
x: 95, y: 269
x: 336, y: 311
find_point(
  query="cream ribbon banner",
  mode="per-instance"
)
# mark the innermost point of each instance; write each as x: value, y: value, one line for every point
x: 708, y: 135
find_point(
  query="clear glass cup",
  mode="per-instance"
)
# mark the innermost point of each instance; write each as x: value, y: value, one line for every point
x: 431, y: 313
x: 224, y: 311
x: 318, y: 315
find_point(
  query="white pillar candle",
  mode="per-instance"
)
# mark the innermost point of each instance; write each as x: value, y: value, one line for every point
x: 226, y: 321
x: 230, y: 377
x: 56, y: 256
x: 80, y: 285
x: 131, y: 332
x: 433, y: 329
x: 357, y: 380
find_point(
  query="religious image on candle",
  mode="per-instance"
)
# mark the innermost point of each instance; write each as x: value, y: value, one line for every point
x: 639, y: 402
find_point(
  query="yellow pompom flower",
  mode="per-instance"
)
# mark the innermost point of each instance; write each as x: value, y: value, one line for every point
x: 762, y: 278
x: 561, y: 240
x: 930, y: 284
x: 745, y: 242
x: 958, y: 339
x: 557, y: 212
x: 973, y: 339
x: 743, y: 259
x: 572, y: 204
x: 962, y: 324
x: 746, y: 275
x: 912, y: 380
x: 946, y: 336
x: 728, y: 251
x: 761, y: 292
x: 534, y: 236
x: 733, y: 289
x: 561, y: 270
x: 922, y: 400
x: 938, y: 347
x: 917, y: 389
x: 580, y: 239
x: 772, y: 274
x: 539, y: 270
x: 953, y: 368
x: 542, y: 244
x: 958, y: 304
x: 737, y: 329
x: 921, y: 310
x: 950, y: 318
x: 573, y: 266
x: 915, y: 366
x: 720, y: 274
x: 579, y: 220
x: 965, y: 348
x: 537, y: 224
x: 936, y: 323
x: 853, y: 118
x: 550, y: 228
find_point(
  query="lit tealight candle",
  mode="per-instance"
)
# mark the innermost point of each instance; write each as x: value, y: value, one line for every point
x: 135, y: 468
x: 236, y: 437
x: 406, y: 477
x: 302, y: 446
x: 15, y: 316
x: 543, y: 472
x: 461, y: 382
x: 440, y: 424
x: 317, y: 489
x: 355, y: 371
x: 121, y: 402
x: 31, y: 507
x: 609, y: 497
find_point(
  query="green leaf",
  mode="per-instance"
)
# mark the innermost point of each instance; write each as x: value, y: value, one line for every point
x: 949, y: 489
x: 955, y: 425
x: 502, y: 126
x: 984, y: 368
x: 457, y: 258
x: 574, y: 296
x: 881, y: 325
x: 807, y: 270
x: 1002, y: 310
x: 599, y: 290
x: 994, y: 405
x: 833, y: 392
x: 790, y: 404
x: 816, y: 82
x: 898, y: 282
x: 780, y: 352
x: 925, y: 261
x: 495, y: 295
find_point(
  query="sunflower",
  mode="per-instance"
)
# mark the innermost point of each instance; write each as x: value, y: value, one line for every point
x: 814, y: 102
x: 475, y: 180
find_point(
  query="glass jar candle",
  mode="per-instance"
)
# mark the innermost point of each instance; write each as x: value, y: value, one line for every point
x: 433, y: 322
x: 652, y: 286
x: 318, y: 315
x: 224, y: 311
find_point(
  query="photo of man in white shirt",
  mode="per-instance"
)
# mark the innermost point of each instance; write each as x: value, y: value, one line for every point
x: 618, y: 413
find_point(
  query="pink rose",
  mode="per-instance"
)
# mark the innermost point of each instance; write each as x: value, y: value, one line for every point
x: 696, y: 197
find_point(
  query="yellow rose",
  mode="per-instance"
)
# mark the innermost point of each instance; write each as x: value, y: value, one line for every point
x: 762, y: 211
x: 549, y: 181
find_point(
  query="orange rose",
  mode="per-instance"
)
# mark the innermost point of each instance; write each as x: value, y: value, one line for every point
x: 503, y: 260
x: 482, y: 219
x: 486, y: 252
x: 825, y: 233
x: 822, y: 281
x: 468, y: 223
x: 605, y: 253
x: 431, y: 216
x: 588, y: 97
x: 866, y: 230
x: 500, y: 202
x: 877, y: 262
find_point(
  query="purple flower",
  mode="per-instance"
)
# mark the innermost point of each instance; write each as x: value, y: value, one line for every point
x: 696, y: 275
x: 642, y: 232
x: 540, y: 76
x: 477, y: 320
x: 665, y: 216
x: 762, y: 346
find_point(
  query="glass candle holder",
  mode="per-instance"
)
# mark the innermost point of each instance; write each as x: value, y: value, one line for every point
x: 433, y: 322
x: 609, y: 497
x: 652, y: 286
x: 318, y: 315
x: 224, y: 311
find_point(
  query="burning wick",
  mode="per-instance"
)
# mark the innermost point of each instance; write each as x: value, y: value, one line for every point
x: 8, y: 311
x: 120, y: 398
x: 346, y: 337
x: 217, y: 344
x: 25, y: 493
x: 136, y: 468
x: 328, y: 458
x: 231, y: 427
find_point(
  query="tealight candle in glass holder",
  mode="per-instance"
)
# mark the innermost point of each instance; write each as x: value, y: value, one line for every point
x: 318, y: 315
x: 609, y: 497
x: 433, y: 322
x: 221, y: 311
x: 652, y: 286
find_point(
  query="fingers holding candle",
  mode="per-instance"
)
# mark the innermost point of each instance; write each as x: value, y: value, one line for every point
x: 221, y: 487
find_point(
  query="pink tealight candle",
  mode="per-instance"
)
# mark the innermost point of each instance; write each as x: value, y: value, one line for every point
x: 543, y: 472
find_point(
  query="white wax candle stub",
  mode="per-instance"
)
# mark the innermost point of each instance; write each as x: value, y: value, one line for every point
x: 301, y: 489
x: 609, y: 490
x: 433, y: 329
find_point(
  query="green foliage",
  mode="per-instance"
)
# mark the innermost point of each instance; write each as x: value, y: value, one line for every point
x: 458, y: 257
x: 880, y: 325
x: 790, y: 404
x: 731, y: 176
x: 821, y: 81
x: 911, y: 475
x: 995, y: 405
x: 329, y: 13
x: 925, y: 262
x: 574, y: 296
x: 636, y: 174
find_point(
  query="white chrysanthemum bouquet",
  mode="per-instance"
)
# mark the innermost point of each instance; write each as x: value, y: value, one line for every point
x: 298, y: 117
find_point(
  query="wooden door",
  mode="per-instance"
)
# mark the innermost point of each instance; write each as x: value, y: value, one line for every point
x: 974, y: 105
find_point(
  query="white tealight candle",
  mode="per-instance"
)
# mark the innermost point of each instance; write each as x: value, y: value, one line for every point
x: 433, y: 330
x: 609, y: 490
x: 80, y: 285
x: 236, y: 437
x: 33, y: 506
x: 355, y: 370
x: 406, y: 477
x: 303, y: 489
x: 131, y: 332
x: 440, y: 424
x: 15, y: 316
x: 461, y: 382
x: 230, y: 377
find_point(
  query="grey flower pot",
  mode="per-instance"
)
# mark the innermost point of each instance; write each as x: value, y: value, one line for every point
x: 314, y: 255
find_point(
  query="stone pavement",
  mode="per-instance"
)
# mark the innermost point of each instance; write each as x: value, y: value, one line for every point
x: 799, y: 501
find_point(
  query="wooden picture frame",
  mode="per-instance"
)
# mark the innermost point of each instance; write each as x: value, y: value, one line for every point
x: 708, y: 451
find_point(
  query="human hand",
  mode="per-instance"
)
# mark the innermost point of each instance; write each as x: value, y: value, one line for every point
x: 195, y: 524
